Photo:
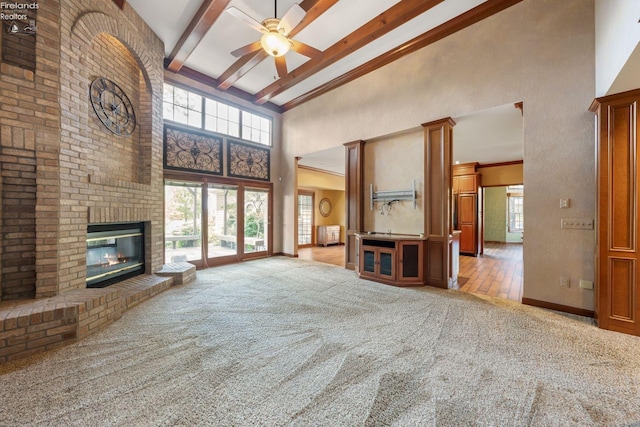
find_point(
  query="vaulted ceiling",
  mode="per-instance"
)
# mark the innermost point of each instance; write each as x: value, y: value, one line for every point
x: 353, y: 37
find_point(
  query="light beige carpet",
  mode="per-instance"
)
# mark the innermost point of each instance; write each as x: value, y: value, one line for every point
x: 290, y: 342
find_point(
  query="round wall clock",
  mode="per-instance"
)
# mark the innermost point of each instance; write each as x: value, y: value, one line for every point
x: 112, y: 106
x: 325, y: 207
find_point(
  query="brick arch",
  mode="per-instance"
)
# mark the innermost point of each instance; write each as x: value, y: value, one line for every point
x: 88, y: 25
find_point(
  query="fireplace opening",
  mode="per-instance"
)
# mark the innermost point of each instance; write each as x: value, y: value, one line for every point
x: 115, y: 252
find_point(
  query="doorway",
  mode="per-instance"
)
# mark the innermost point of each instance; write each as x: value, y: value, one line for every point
x: 212, y: 222
x: 492, y: 140
x: 321, y: 206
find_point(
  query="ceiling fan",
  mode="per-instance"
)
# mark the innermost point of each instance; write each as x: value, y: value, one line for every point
x: 275, y: 40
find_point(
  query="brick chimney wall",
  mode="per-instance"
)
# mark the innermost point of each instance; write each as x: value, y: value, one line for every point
x: 29, y: 145
x: 60, y: 168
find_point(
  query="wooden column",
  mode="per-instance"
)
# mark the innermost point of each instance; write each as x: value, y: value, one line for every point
x: 354, y: 198
x: 617, y: 296
x: 438, y: 137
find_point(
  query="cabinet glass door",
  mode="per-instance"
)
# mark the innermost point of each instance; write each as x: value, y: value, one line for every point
x: 369, y: 261
x: 386, y: 263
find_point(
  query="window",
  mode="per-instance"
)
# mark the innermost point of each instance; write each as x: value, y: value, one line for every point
x: 221, y: 118
x: 305, y: 218
x: 256, y: 128
x: 182, y: 106
x: 515, y: 198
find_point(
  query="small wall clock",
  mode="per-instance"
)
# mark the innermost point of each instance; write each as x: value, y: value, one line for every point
x: 112, y: 106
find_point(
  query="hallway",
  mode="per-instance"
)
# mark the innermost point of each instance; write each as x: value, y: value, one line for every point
x: 498, y: 273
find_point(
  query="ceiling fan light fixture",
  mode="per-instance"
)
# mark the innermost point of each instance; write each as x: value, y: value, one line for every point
x: 275, y: 43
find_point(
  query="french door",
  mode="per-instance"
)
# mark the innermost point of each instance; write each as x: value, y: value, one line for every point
x: 256, y: 215
x: 182, y: 222
x: 216, y: 221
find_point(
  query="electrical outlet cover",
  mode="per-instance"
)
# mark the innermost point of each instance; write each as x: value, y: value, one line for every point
x: 586, y: 284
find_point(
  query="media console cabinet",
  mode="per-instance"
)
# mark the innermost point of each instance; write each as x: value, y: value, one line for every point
x: 394, y: 259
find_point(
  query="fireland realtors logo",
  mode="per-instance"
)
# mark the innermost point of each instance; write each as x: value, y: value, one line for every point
x: 19, y: 20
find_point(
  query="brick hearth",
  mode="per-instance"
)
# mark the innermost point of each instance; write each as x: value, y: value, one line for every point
x: 30, y: 327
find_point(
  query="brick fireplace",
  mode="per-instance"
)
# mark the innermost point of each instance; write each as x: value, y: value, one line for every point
x: 61, y: 169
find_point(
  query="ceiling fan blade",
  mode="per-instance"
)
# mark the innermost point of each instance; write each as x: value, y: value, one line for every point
x: 305, y: 49
x: 247, y: 49
x: 294, y: 15
x: 237, y: 13
x: 281, y: 66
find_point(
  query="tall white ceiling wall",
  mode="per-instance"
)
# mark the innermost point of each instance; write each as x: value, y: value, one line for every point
x: 617, y: 39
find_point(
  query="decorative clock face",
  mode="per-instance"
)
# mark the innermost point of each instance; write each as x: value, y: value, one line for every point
x: 325, y: 207
x: 112, y: 106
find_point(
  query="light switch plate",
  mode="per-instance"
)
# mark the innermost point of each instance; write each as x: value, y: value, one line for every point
x: 579, y: 224
x: 564, y: 203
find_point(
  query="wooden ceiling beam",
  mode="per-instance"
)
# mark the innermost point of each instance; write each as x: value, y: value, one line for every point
x: 478, y: 13
x: 239, y: 68
x: 187, y: 76
x: 392, y: 18
x: 242, y: 66
x: 209, y: 12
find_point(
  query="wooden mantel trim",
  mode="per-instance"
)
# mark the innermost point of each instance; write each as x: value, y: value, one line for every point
x: 446, y: 120
x: 616, y: 96
x: 493, y: 165
x: 520, y: 106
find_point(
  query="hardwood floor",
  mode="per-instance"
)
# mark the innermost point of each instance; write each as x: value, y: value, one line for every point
x: 333, y: 254
x: 498, y: 273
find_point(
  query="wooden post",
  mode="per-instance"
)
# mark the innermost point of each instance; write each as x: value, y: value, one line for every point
x: 354, y: 198
x: 438, y: 138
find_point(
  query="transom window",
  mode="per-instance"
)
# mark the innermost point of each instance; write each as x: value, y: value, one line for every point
x: 191, y: 109
x: 256, y: 128
x: 182, y: 106
x: 222, y: 118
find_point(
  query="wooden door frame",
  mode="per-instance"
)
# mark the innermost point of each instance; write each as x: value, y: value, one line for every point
x: 312, y: 193
x: 204, y: 181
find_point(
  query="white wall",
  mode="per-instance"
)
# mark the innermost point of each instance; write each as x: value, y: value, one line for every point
x: 617, y: 36
x: 538, y: 51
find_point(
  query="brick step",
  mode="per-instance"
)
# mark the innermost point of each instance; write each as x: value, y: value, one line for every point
x: 30, y: 327
x: 182, y: 272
